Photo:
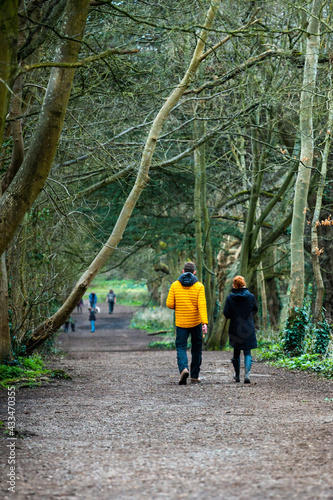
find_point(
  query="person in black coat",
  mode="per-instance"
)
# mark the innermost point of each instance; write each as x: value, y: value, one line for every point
x: 240, y: 307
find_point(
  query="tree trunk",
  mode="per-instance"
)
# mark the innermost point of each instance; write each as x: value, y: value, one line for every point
x: 210, y: 281
x: 315, y: 251
x: 16, y: 128
x: 204, y: 251
x: 35, y: 168
x: 306, y: 158
x: 197, y: 203
x: 261, y: 283
x: 51, y: 325
x: 257, y: 177
x: 219, y: 336
x: 5, y: 341
x: 8, y: 49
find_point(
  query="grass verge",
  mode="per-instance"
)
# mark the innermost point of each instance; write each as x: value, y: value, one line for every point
x: 128, y: 292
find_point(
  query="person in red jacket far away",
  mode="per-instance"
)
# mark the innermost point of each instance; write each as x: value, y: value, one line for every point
x: 187, y: 297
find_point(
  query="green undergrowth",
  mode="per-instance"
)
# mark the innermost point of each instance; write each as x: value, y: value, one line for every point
x: 273, y: 354
x: 153, y: 319
x: 167, y: 344
x: 301, y: 345
x: 156, y: 319
x: 27, y: 372
x: 128, y: 292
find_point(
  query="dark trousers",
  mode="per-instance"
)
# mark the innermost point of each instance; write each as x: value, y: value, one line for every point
x: 237, y: 352
x: 111, y: 304
x: 196, y: 350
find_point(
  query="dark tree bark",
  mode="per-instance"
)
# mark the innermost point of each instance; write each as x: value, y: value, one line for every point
x: 8, y: 48
x: 32, y: 175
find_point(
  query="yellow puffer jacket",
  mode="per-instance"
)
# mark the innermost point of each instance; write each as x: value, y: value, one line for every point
x: 189, y: 303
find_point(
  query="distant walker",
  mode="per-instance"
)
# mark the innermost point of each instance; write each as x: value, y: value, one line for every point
x: 111, y: 299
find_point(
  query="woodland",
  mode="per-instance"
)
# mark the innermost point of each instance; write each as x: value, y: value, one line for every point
x: 140, y: 134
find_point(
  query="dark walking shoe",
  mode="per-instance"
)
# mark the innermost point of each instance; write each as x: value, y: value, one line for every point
x: 247, y: 380
x: 236, y: 378
x: 183, y: 376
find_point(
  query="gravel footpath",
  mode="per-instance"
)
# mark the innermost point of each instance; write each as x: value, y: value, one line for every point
x: 124, y: 429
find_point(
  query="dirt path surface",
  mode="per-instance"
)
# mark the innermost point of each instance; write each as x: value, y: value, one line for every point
x: 124, y: 429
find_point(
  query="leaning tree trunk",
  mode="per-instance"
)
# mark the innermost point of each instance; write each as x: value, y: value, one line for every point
x: 8, y: 49
x: 51, y: 325
x: 306, y: 158
x: 315, y: 251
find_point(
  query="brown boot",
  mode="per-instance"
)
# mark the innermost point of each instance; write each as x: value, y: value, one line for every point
x: 184, y: 376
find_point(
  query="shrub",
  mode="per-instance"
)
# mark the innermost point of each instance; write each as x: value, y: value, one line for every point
x: 295, y: 331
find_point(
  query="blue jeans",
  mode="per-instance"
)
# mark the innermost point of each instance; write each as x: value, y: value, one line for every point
x: 196, y: 351
x: 111, y: 304
x: 92, y: 325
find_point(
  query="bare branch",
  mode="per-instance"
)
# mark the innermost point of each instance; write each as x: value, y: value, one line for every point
x: 78, y: 64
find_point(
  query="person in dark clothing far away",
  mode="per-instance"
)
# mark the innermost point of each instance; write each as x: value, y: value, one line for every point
x: 111, y: 299
x: 240, y: 307
x: 187, y: 297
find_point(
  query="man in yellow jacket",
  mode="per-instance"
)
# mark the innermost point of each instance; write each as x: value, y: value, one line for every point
x: 187, y: 297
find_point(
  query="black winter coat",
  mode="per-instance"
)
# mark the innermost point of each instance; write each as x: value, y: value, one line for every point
x: 240, y: 307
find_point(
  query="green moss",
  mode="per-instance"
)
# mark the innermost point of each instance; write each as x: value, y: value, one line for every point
x: 27, y: 372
